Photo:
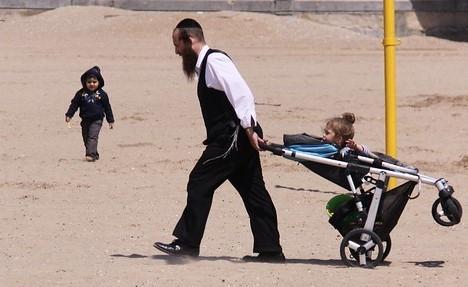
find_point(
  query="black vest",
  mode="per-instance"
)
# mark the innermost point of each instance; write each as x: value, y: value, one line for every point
x: 218, y: 114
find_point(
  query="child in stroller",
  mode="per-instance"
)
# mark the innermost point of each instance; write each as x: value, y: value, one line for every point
x: 340, y: 131
x: 363, y: 217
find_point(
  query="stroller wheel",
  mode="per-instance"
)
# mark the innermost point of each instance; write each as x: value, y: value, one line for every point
x: 387, y: 246
x: 361, y: 247
x: 447, y: 211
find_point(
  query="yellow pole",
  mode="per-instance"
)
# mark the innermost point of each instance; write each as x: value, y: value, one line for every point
x: 389, y: 43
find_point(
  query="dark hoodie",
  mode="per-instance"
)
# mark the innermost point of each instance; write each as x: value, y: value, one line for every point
x: 93, y: 105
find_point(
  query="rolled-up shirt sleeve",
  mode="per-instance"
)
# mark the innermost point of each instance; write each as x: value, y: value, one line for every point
x: 221, y: 74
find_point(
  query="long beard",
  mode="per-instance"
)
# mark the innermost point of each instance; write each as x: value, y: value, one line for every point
x: 189, y: 62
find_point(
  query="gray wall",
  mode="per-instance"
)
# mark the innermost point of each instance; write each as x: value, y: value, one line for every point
x: 441, y: 18
x: 272, y: 6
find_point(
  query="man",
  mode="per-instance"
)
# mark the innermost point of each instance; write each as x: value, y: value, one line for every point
x: 232, y: 145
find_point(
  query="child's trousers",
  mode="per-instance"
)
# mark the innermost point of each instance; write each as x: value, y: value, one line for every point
x: 90, y: 132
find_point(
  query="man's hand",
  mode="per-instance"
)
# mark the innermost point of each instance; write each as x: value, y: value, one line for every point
x: 111, y: 125
x: 67, y: 119
x: 254, y: 139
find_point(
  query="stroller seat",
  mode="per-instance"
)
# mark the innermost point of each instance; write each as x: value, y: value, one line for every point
x: 316, y: 146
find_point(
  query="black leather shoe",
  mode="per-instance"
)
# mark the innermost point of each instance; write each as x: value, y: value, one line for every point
x: 177, y: 248
x: 269, y: 257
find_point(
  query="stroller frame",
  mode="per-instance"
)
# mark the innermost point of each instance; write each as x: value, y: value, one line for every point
x: 363, y: 242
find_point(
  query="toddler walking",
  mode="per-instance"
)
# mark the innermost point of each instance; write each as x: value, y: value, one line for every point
x: 93, y: 103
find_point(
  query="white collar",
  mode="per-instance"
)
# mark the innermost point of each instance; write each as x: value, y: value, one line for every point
x: 201, y: 56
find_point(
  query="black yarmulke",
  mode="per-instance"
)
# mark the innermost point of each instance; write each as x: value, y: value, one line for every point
x: 188, y: 23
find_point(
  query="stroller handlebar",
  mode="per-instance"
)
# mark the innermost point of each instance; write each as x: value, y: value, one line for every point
x: 276, y: 149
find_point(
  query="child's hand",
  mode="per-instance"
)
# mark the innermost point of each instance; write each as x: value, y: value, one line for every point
x: 111, y: 125
x: 67, y: 119
x: 353, y: 145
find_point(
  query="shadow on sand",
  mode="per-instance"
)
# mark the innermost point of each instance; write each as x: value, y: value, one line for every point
x: 429, y: 264
x: 181, y: 260
x: 306, y: 189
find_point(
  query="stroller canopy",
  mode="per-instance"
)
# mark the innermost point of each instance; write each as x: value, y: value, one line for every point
x: 310, y: 144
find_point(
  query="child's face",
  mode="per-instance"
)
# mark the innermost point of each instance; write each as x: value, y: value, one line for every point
x: 92, y: 84
x: 330, y: 136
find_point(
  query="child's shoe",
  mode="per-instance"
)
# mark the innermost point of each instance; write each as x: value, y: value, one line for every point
x: 89, y: 158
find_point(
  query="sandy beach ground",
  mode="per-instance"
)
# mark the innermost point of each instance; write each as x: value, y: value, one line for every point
x: 66, y: 222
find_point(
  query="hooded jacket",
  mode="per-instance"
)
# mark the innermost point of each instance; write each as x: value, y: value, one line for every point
x: 93, y: 105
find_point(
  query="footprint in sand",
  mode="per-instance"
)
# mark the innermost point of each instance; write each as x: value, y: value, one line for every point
x: 135, y: 117
x: 463, y: 162
x: 432, y: 100
x: 135, y: 145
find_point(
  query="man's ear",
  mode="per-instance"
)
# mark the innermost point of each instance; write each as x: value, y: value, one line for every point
x: 193, y: 40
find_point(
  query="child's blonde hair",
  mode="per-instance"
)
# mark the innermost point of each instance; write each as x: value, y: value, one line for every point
x: 342, y: 127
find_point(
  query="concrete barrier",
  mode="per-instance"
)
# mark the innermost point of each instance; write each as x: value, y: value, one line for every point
x: 31, y: 4
x: 271, y: 6
x: 441, y: 18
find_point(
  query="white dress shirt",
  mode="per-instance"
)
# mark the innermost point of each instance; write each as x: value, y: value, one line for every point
x: 221, y: 74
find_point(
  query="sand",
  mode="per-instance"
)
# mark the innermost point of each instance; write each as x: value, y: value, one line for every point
x: 66, y: 222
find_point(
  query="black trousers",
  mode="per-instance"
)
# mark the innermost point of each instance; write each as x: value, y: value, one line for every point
x: 90, y: 132
x: 243, y: 170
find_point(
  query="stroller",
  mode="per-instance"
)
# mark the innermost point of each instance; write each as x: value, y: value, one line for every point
x: 365, y: 217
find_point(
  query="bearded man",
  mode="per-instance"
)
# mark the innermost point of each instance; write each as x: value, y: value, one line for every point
x: 232, y: 149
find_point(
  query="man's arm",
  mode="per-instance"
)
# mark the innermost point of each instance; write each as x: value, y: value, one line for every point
x: 221, y: 74
x: 254, y: 139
